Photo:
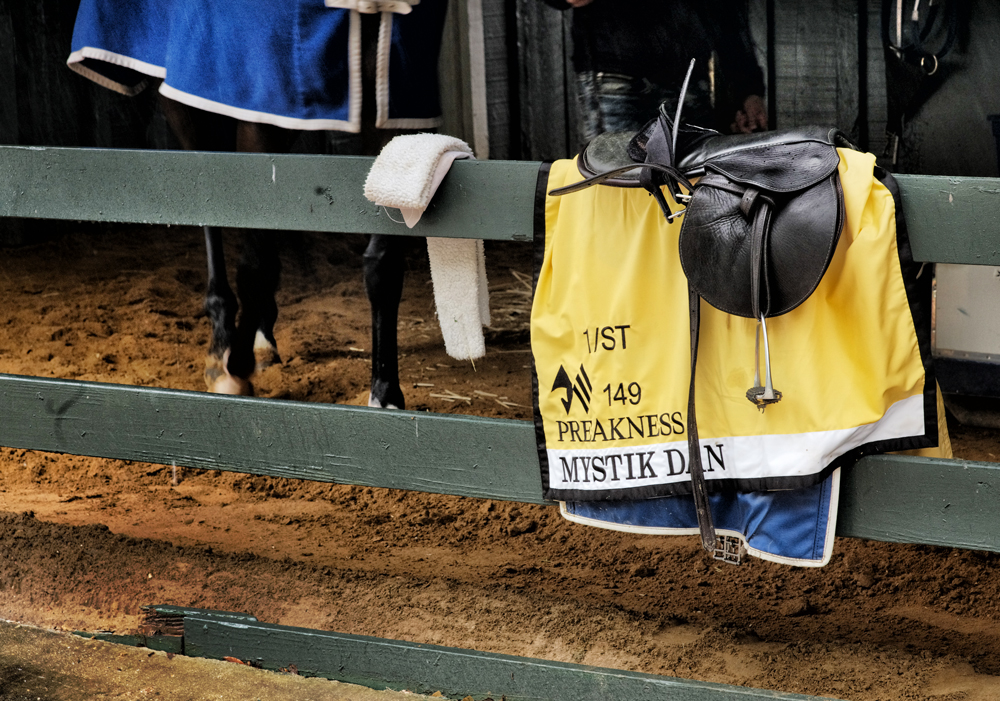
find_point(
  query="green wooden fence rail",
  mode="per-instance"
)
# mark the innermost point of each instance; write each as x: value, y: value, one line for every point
x: 423, y: 669
x: 889, y: 498
x: 478, y: 199
x: 456, y: 673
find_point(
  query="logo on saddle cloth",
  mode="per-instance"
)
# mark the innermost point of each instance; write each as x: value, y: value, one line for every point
x: 580, y: 390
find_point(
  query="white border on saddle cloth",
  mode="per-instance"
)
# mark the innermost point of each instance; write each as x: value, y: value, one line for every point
x: 743, y: 457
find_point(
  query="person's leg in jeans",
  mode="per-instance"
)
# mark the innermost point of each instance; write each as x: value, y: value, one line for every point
x: 614, y: 103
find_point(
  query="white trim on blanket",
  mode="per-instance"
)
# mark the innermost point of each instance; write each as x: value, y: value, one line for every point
x: 352, y: 125
x: 403, y: 7
x: 75, y: 62
x: 354, y: 74
x: 382, y: 120
x: 744, y: 457
x: 382, y: 71
x: 254, y: 116
x: 830, y: 535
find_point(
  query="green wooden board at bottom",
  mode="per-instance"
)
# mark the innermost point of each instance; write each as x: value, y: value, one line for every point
x: 392, y: 664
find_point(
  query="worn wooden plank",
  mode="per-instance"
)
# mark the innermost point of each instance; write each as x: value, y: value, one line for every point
x: 8, y: 87
x: 501, y: 85
x: 55, y: 106
x: 816, y: 69
x: 546, y: 131
x: 487, y: 458
x: 955, y: 503
x: 893, y: 498
x: 456, y: 673
x: 876, y: 92
x: 454, y: 75
x: 490, y: 200
x: 952, y: 219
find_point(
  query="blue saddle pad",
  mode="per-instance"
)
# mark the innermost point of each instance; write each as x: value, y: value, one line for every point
x: 793, y: 527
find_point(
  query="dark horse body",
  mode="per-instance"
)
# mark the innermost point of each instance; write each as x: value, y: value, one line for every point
x: 278, y: 64
x: 243, y: 322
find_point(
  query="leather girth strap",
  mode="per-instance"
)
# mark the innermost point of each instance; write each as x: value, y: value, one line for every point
x: 699, y: 490
x: 756, y: 207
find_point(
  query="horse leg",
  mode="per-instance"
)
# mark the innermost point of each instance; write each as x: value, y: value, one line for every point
x: 203, y: 131
x: 252, y: 344
x: 221, y: 306
x: 256, y: 282
x: 198, y: 130
x: 383, y: 269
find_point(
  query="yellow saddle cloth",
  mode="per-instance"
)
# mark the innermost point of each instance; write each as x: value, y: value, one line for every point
x: 611, y: 344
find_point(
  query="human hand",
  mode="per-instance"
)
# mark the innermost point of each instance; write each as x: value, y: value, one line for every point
x: 753, y: 116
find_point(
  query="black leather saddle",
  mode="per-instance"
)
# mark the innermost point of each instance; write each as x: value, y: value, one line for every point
x: 762, y: 217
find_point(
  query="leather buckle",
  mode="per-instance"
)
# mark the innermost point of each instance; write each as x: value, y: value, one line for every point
x: 729, y: 549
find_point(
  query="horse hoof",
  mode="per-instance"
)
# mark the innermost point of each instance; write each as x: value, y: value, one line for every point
x: 376, y: 404
x: 265, y: 352
x: 235, y: 386
x: 220, y: 381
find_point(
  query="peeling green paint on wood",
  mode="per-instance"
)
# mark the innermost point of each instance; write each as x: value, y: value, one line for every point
x: 952, y: 219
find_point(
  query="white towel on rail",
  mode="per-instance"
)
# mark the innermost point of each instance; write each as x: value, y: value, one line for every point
x: 406, y: 175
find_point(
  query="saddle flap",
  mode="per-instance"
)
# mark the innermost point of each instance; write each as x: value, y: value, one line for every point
x: 795, y: 247
x: 606, y: 153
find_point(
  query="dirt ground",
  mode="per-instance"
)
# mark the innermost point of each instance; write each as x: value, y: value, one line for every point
x: 85, y: 542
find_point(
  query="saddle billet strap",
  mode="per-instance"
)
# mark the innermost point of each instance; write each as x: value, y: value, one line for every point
x: 699, y: 490
x: 660, y: 150
x: 758, y: 258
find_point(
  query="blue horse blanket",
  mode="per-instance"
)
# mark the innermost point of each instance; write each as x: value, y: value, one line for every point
x: 792, y: 527
x: 291, y: 63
